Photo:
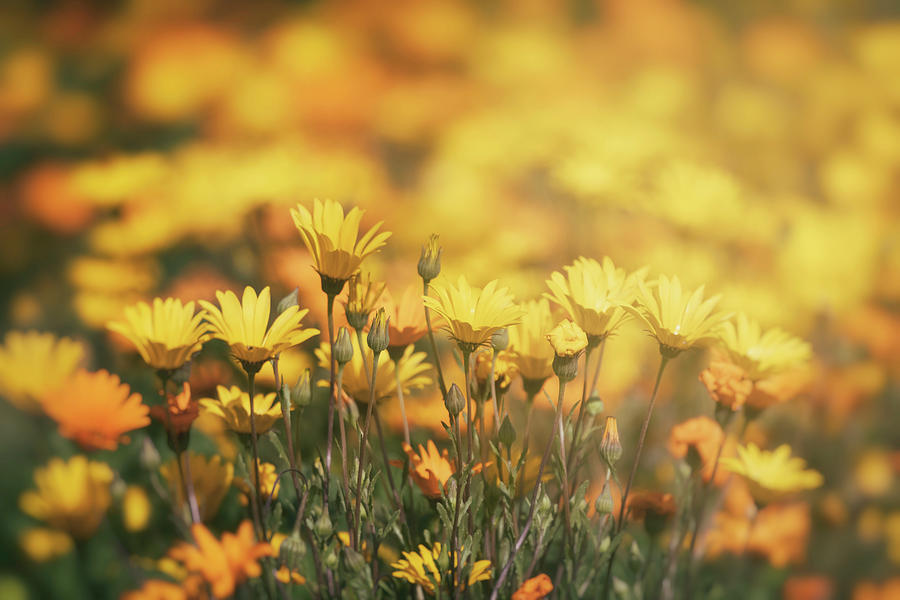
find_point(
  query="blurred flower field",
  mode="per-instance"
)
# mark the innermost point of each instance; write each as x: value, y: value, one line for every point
x: 625, y: 273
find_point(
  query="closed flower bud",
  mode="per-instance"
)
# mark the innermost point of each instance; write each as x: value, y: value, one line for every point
x: 301, y: 393
x: 455, y: 401
x: 507, y: 433
x: 343, y: 348
x: 378, y: 338
x: 610, y: 446
x: 292, y: 551
x: 292, y: 299
x: 500, y: 339
x: 430, y: 261
x: 324, y: 527
x: 604, y: 502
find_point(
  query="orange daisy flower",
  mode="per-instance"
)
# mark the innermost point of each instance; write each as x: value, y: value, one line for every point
x: 407, y: 323
x: 223, y: 563
x: 704, y: 436
x: 95, y: 409
x: 181, y: 409
x: 430, y: 469
x: 534, y: 589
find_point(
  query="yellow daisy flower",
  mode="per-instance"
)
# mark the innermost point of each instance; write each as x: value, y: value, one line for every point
x: 528, y: 341
x: 471, y: 314
x: 233, y: 406
x: 41, y: 544
x: 772, y: 475
x: 760, y: 353
x: 244, y: 325
x: 166, y: 335
x: 593, y: 294
x: 71, y: 496
x: 421, y: 568
x: 567, y: 339
x: 32, y: 364
x: 678, y: 319
x: 355, y: 380
x: 332, y: 240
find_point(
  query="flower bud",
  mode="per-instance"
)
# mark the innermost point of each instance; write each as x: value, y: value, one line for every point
x: 378, y: 338
x: 610, y: 446
x: 362, y: 294
x: 292, y: 551
x: 594, y: 404
x: 604, y: 502
x: 500, y: 339
x: 507, y: 433
x: 324, y: 527
x: 568, y: 341
x: 343, y: 348
x: 430, y: 261
x: 455, y: 401
x: 288, y: 301
x: 301, y: 393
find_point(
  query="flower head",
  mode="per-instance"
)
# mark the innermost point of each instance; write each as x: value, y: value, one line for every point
x: 223, y: 563
x: 363, y: 293
x: 504, y: 372
x: 610, y: 445
x: 567, y: 339
x: 41, y: 544
x: 536, y: 588
x: 95, y: 409
x: 179, y: 412
x: 268, y: 482
x: 594, y: 294
x: 429, y: 265
x: 678, y: 319
x: 471, y: 314
x: 71, y: 496
x: 233, y: 406
x: 772, y: 475
x: 727, y: 384
x: 166, y: 335
x: 332, y: 238
x: 33, y: 363
x: 413, y: 371
x: 407, y: 317
x: 421, y: 568
x: 701, y: 437
x: 244, y: 325
x: 654, y: 508
x: 211, y: 478
x: 429, y: 469
x: 528, y: 341
x: 759, y: 353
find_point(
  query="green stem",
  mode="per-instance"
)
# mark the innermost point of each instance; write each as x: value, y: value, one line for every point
x: 402, y: 404
x: 251, y: 385
x: 434, y: 352
x: 362, y: 446
x: 332, y: 402
x: 520, y: 541
x: 637, y: 456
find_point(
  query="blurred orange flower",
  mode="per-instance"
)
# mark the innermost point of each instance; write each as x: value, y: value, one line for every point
x: 727, y: 384
x: 179, y: 412
x: 704, y: 436
x: 95, y: 409
x: 534, y: 589
x: 223, y: 563
x: 407, y: 317
x: 429, y: 469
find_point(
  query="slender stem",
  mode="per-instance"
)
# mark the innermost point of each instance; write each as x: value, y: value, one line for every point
x: 332, y: 402
x: 637, y: 456
x: 454, y: 553
x: 494, y: 393
x: 251, y: 385
x: 586, y: 391
x: 434, y: 352
x: 470, y: 434
x: 700, y: 517
x: 387, y: 468
x: 365, y: 440
x: 520, y: 541
x: 286, y: 418
x: 402, y: 404
x: 345, y: 472
x: 189, y: 485
x: 187, y: 489
x: 565, y: 479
